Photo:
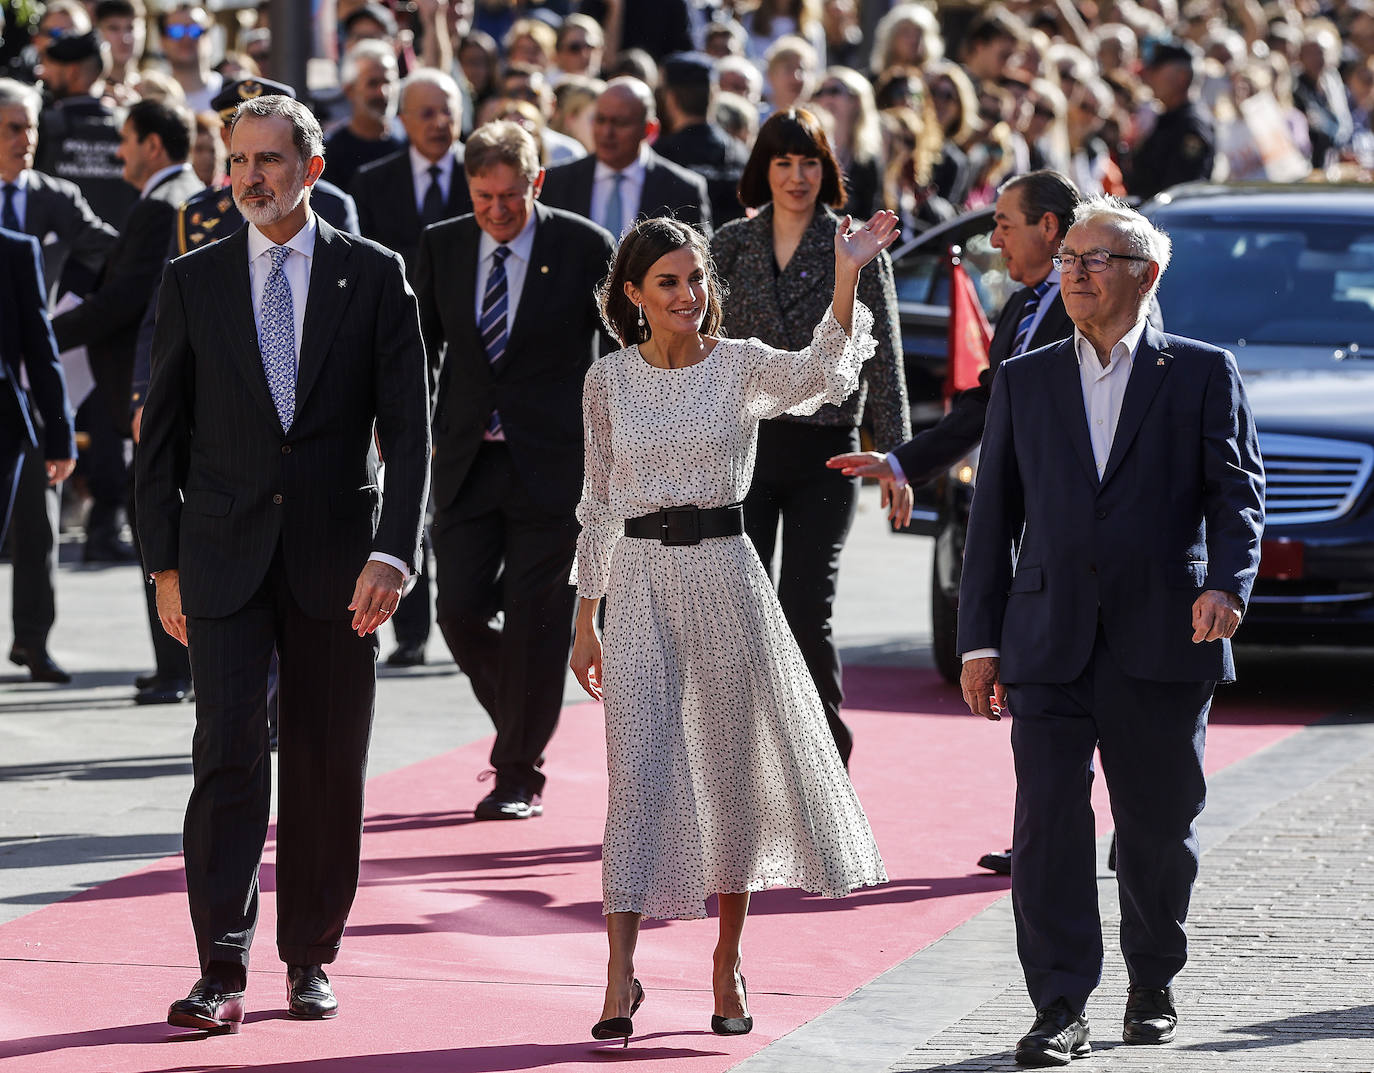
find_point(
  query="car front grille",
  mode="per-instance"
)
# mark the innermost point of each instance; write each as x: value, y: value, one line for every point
x: 1311, y: 479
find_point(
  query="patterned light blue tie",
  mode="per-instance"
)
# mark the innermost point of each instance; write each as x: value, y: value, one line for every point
x: 615, y: 209
x: 277, y: 337
x: 1023, y: 326
x: 492, y: 324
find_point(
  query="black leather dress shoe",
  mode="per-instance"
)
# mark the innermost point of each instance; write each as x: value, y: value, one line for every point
x: 308, y: 994
x: 41, y: 666
x: 996, y: 862
x: 143, y: 681
x: 1151, y: 1016
x: 407, y: 654
x: 210, y: 1007
x: 1058, y: 1036
x: 509, y: 803
x: 166, y: 691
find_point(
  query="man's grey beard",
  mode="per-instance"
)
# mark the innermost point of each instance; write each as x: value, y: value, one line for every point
x: 267, y: 214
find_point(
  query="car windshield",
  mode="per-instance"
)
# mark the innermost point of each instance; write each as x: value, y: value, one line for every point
x: 1260, y: 282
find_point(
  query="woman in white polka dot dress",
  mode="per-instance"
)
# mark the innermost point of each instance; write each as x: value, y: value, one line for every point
x: 724, y: 778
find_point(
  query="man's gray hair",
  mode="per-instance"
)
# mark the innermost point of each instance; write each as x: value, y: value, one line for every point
x: 366, y: 49
x: 15, y: 93
x: 1142, y: 238
x: 501, y: 142
x: 432, y: 76
x: 305, y: 128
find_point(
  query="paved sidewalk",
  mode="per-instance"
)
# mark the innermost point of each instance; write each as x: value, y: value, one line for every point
x: 1281, y: 972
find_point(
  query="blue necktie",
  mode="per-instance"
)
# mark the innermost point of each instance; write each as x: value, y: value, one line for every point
x: 492, y: 324
x: 9, y: 216
x: 1023, y: 326
x: 277, y: 337
x: 615, y: 209
x: 432, y: 209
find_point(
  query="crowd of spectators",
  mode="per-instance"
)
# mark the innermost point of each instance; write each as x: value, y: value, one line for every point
x: 929, y: 107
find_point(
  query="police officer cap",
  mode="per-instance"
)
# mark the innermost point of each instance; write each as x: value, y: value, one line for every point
x: 687, y: 69
x: 1157, y: 51
x: 74, y: 48
x: 245, y: 89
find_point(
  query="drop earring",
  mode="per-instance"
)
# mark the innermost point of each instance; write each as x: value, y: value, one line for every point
x: 641, y: 318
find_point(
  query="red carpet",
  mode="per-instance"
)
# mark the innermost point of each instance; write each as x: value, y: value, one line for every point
x: 480, y: 946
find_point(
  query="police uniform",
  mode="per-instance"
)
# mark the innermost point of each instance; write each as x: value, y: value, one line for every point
x: 78, y: 137
x: 1182, y: 148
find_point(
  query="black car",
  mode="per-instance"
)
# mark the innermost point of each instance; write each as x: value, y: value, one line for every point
x: 1283, y: 276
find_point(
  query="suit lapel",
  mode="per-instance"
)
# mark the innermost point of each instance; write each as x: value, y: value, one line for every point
x: 1066, y: 388
x: 36, y: 211
x: 1148, y: 370
x: 331, y: 288
x: 585, y: 174
x: 403, y: 198
x: 234, y: 299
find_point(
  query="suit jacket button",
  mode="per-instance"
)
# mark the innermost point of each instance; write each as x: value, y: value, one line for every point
x: 276, y: 499
x: 286, y: 448
x: 1101, y: 514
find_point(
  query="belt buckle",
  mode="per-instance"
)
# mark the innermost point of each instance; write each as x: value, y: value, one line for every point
x: 681, y: 526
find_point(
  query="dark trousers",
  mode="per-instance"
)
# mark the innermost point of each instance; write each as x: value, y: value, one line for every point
x: 102, y: 464
x: 327, y: 686
x: 1150, y: 736
x: 33, y: 546
x: 816, y: 507
x: 499, y: 550
x: 170, y: 659
x: 11, y: 463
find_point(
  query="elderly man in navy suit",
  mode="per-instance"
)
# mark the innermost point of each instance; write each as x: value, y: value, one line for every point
x: 1112, y: 547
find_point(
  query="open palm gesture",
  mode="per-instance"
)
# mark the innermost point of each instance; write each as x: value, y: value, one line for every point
x: 857, y: 248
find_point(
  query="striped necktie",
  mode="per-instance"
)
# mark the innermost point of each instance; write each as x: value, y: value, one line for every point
x: 492, y: 324
x: 1023, y: 327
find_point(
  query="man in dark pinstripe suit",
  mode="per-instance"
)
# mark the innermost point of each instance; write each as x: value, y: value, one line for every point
x: 277, y: 352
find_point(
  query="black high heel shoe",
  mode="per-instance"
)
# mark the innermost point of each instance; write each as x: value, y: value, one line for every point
x: 734, y: 1026
x: 620, y: 1027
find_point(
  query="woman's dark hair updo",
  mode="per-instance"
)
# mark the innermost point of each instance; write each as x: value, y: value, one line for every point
x: 639, y: 251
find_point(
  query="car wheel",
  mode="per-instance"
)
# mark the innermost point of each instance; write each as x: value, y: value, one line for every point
x: 944, y: 630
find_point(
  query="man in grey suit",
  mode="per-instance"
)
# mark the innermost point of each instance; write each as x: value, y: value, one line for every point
x: 74, y: 243
x: 278, y: 351
x: 626, y: 180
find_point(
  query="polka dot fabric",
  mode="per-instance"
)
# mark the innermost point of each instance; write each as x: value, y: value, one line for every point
x: 723, y: 774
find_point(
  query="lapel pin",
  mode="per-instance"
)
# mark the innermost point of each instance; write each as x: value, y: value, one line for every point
x: 343, y: 283
x: 1158, y: 361
x: 544, y: 269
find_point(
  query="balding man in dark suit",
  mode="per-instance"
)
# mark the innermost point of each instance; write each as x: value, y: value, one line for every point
x: 626, y: 180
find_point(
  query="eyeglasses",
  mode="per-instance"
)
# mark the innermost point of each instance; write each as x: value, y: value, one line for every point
x: 1093, y: 260
x: 832, y: 91
x: 178, y: 30
x: 576, y: 46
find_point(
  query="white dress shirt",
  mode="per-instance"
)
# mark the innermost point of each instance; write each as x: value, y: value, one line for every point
x: 517, y: 267
x: 1104, y: 388
x: 157, y: 177
x: 297, y: 270
x: 631, y: 190
x: 419, y: 173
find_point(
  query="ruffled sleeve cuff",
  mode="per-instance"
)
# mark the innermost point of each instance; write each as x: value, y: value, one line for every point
x: 827, y: 371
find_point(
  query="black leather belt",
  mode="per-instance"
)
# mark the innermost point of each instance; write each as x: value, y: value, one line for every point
x: 683, y: 526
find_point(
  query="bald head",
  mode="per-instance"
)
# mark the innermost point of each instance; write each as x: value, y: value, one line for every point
x: 623, y: 119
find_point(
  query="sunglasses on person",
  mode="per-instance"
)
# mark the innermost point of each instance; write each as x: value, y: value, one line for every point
x: 1093, y: 260
x: 179, y: 31
x: 576, y: 46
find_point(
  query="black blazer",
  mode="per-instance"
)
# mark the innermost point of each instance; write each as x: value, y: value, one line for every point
x: 220, y: 486
x: 669, y: 190
x: 75, y: 240
x: 26, y: 343
x: 537, y: 384
x: 107, y: 322
x: 1179, y: 509
x: 387, y: 212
